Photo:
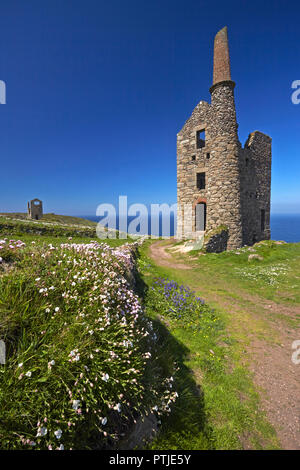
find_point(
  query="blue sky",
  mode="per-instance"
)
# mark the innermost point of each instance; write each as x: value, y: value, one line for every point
x: 97, y: 91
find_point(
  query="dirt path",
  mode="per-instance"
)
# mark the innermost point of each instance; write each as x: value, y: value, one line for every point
x: 274, y: 372
x: 163, y: 258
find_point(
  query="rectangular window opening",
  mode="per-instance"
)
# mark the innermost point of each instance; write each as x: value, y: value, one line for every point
x: 200, y: 139
x: 201, y: 180
x: 262, y: 219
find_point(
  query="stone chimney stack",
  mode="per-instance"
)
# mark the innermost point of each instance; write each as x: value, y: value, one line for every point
x: 219, y: 182
x: 221, y: 57
x: 224, y: 181
x: 222, y: 95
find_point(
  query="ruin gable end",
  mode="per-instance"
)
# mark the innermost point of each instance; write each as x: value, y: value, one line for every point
x: 219, y: 182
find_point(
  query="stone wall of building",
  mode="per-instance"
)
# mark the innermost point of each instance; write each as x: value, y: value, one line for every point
x: 237, y: 180
x: 224, y: 175
x: 255, y: 171
x: 218, y: 159
x: 190, y: 161
x: 216, y: 241
x: 35, y: 209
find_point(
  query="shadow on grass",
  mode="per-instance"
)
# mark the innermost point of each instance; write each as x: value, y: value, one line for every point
x: 186, y: 427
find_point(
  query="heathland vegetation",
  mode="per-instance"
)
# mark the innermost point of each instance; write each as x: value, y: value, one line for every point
x: 100, y: 336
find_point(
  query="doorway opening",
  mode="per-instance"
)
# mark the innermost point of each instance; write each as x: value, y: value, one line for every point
x: 200, y: 214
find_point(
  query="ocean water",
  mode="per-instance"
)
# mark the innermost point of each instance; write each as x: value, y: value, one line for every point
x: 283, y: 226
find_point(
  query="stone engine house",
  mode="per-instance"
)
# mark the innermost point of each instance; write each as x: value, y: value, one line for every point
x: 35, y: 209
x: 219, y: 182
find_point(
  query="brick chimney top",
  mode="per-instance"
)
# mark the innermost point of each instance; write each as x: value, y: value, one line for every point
x: 221, y: 57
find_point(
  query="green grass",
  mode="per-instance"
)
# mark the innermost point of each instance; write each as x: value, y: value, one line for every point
x: 81, y: 358
x: 276, y: 277
x: 218, y: 404
x: 53, y: 228
x: 47, y: 239
x: 53, y: 218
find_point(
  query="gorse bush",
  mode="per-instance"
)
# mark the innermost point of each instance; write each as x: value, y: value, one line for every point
x: 81, y: 356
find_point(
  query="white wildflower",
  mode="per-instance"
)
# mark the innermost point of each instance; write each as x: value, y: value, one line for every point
x: 76, y: 404
x: 58, y: 433
x: 41, y: 431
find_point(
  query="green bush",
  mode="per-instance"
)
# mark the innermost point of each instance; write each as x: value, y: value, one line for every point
x: 10, y: 250
x: 81, y: 356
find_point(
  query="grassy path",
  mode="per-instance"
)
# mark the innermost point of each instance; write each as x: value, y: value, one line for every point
x: 262, y: 316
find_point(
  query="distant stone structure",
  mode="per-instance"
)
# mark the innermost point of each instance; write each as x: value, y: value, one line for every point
x: 219, y: 182
x: 35, y: 209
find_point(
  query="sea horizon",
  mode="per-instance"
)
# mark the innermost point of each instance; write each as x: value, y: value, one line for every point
x: 283, y: 226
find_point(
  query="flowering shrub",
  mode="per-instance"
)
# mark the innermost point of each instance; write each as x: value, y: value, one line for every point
x: 9, y: 249
x: 81, y: 363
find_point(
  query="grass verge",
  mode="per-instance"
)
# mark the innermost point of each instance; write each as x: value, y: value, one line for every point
x: 218, y: 405
x: 81, y: 361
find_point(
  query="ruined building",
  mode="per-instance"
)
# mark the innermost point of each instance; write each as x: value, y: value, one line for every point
x: 219, y: 182
x: 35, y: 209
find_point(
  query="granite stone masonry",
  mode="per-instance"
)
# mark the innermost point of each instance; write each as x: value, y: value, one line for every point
x: 35, y: 209
x: 219, y: 182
